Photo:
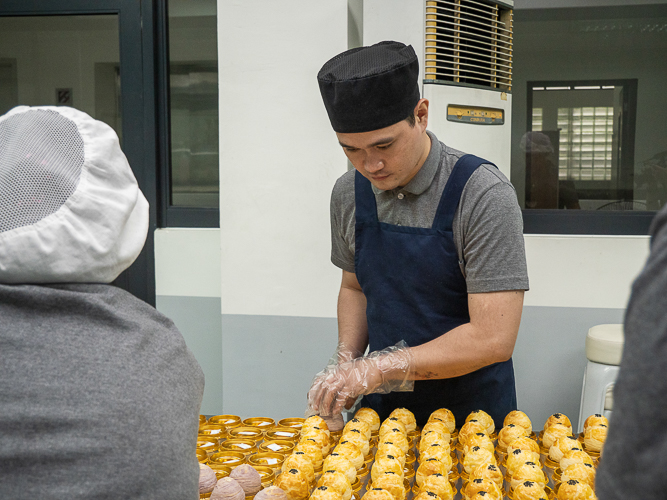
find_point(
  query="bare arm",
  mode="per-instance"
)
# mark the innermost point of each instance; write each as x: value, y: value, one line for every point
x: 488, y: 338
x: 352, y: 328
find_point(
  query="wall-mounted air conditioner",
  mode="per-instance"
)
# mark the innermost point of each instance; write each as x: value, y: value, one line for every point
x: 465, y: 56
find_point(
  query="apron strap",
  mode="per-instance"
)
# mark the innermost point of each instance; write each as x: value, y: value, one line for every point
x: 364, y: 199
x: 451, y: 195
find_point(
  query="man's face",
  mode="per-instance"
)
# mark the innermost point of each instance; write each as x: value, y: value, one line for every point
x: 389, y: 157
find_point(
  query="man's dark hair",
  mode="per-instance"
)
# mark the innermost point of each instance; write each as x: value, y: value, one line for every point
x: 412, y: 121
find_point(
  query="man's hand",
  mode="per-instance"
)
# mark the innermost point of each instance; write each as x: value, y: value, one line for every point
x: 379, y: 372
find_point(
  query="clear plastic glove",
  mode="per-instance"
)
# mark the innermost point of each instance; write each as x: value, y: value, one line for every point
x: 380, y: 372
x: 342, y: 354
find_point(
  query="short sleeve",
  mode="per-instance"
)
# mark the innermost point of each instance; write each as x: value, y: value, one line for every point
x: 491, y: 234
x: 342, y: 225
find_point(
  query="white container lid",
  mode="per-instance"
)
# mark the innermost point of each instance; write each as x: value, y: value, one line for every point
x: 604, y: 344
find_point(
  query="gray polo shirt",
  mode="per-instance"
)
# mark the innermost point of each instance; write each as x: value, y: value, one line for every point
x: 488, y: 227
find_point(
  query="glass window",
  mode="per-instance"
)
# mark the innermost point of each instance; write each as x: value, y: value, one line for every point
x: 193, y: 85
x: 588, y: 131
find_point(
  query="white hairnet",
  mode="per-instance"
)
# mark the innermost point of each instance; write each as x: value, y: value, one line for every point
x: 70, y: 206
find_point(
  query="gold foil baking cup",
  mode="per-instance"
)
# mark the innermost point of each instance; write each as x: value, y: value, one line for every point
x: 202, y: 419
x: 266, y: 475
x: 280, y: 433
x: 208, y: 443
x: 245, y: 446
x: 295, y: 422
x: 264, y: 423
x: 267, y: 459
x: 227, y: 420
x: 229, y: 458
x: 245, y: 432
x: 217, y: 431
x: 277, y: 446
x: 202, y: 456
x: 205, y: 495
x: 220, y: 470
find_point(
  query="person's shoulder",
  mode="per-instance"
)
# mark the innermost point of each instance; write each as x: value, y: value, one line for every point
x: 343, y: 190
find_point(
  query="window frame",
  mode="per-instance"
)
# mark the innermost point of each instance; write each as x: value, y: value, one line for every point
x: 170, y: 215
x: 593, y: 222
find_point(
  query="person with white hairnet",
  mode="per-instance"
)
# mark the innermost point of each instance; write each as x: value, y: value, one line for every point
x: 99, y: 395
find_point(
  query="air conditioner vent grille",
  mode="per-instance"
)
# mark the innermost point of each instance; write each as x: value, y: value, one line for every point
x: 469, y: 42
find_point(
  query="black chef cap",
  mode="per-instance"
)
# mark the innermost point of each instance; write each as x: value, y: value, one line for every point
x: 369, y: 88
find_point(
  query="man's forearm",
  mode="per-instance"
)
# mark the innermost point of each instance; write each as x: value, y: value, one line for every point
x: 352, y: 327
x: 489, y: 338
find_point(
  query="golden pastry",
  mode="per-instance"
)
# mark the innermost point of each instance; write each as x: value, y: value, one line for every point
x: 440, y: 453
x: 482, y: 484
x: 388, y: 448
x: 320, y: 438
x: 477, y: 456
x: 518, y: 417
x: 325, y: 493
x: 352, y: 452
x: 405, y: 416
x: 519, y: 457
x: 294, y: 483
x: 558, y: 418
x: 469, y: 428
x: 574, y: 490
x: 436, y: 426
x: 553, y: 432
x: 393, y: 483
x: 481, y: 440
x: 484, y: 418
x: 431, y: 438
x: 529, y: 490
x: 584, y: 473
x: 338, y: 482
x: 428, y: 467
x: 355, y: 437
x: 378, y: 494
x: 445, y: 416
x: 594, y: 437
x: 563, y: 445
x: 509, y: 433
x: 530, y: 471
x: 339, y: 463
x: 390, y: 426
x: 440, y: 485
x: 315, y: 421
x: 485, y: 495
x: 573, y: 457
x: 369, y: 416
x: 435, y: 450
x: 384, y: 464
x: 248, y: 478
x: 312, y: 450
x: 427, y: 495
x: 301, y: 462
x: 595, y: 419
x: 488, y: 471
x: 397, y: 438
x: 523, y: 443
x: 358, y: 425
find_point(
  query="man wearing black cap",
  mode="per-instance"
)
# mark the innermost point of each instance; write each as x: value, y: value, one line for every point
x: 431, y: 247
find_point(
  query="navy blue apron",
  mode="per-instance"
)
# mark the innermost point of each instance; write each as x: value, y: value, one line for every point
x: 416, y: 292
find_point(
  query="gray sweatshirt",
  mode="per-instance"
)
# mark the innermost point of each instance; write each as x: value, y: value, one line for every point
x: 634, y: 458
x: 99, y: 397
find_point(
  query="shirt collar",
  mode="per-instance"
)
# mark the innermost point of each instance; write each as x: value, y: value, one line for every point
x: 424, y: 177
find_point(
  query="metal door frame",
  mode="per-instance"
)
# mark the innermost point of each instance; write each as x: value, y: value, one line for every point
x: 136, y: 27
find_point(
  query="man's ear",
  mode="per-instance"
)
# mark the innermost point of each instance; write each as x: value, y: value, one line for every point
x: 421, y: 113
